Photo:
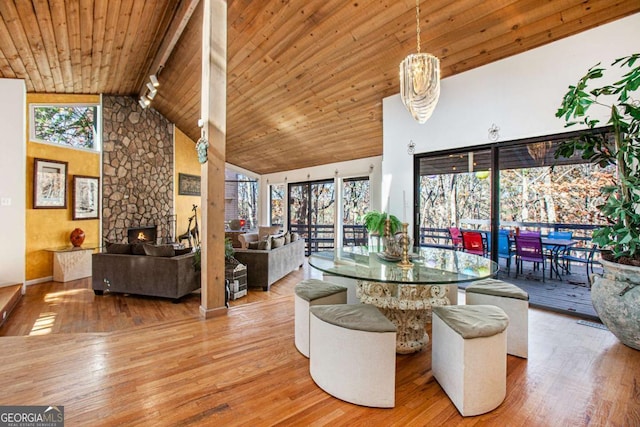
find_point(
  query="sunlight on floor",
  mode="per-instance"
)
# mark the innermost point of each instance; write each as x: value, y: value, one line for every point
x: 58, y: 296
x: 44, y: 324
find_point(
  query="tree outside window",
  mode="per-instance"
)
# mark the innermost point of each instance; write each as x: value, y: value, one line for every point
x: 73, y: 126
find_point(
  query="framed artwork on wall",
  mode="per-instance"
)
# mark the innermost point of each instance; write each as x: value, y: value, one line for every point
x: 49, y: 184
x: 188, y: 185
x: 86, y: 197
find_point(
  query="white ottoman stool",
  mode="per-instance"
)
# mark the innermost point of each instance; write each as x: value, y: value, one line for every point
x: 353, y: 354
x: 514, y: 301
x: 469, y: 356
x: 312, y: 292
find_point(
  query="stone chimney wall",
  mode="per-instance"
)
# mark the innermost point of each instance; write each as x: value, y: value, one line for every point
x: 137, y: 168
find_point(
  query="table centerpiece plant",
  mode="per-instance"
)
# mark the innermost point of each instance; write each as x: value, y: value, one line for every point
x: 375, y: 222
x: 615, y: 294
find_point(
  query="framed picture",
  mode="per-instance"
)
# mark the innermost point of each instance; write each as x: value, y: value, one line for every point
x: 49, y: 184
x: 188, y: 185
x: 86, y: 197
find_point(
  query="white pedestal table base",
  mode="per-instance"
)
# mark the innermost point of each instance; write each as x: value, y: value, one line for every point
x: 407, y: 306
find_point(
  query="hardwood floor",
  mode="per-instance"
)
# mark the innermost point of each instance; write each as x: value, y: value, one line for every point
x: 120, y: 360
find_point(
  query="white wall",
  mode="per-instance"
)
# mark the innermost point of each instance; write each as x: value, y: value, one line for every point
x: 370, y: 166
x: 519, y: 94
x: 12, y: 181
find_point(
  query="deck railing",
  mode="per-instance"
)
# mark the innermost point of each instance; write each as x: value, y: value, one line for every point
x: 321, y: 237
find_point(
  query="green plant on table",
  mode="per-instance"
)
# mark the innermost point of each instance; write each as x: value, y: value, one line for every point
x: 374, y: 221
x: 622, y: 149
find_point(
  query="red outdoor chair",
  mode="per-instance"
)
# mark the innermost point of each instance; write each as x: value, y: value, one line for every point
x: 529, y: 249
x: 456, y: 237
x: 473, y: 243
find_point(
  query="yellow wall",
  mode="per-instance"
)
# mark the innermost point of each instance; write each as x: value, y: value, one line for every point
x: 186, y: 161
x: 48, y: 228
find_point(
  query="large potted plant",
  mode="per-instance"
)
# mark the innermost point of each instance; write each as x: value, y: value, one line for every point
x: 615, y: 294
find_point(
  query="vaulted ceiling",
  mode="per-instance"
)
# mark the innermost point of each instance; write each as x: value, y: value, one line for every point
x: 305, y: 79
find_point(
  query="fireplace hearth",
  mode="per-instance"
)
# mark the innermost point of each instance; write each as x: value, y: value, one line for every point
x: 146, y: 234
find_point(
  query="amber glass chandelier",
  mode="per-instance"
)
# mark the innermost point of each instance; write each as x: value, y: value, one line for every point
x: 420, y: 80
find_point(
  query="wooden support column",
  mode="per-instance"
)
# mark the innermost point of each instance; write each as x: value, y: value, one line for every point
x: 213, y: 108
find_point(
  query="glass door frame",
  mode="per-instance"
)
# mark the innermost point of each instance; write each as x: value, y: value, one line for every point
x: 495, y: 177
x: 307, y: 188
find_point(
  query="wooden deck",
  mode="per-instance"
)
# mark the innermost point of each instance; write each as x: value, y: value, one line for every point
x: 571, y: 295
x: 124, y: 360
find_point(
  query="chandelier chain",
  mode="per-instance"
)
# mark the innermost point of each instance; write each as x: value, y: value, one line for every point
x: 418, y: 23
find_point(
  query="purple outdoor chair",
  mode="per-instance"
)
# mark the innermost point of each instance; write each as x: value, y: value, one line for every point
x: 529, y: 248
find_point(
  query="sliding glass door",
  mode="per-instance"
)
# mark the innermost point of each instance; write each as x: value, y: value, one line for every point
x: 312, y: 213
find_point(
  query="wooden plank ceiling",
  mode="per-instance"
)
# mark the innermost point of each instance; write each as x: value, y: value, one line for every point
x: 306, y: 79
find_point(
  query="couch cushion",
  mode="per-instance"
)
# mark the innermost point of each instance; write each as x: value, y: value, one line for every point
x: 294, y: 237
x: 118, y: 248
x: 138, y: 249
x: 287, y: 238
x: 277, y: 242
x: 160, y: 251
x: 264, y: 232
x: 183, y: 251
x: 263, y: 245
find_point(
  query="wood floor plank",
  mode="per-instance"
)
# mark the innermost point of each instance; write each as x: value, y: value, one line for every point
x: 122, y: 360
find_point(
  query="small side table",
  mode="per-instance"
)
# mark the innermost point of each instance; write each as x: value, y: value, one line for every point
x: 71, y: 263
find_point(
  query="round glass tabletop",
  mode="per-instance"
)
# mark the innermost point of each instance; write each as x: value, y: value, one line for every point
x: 431, y: 266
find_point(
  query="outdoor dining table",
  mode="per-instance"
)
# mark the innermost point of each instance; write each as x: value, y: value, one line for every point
x: 557, y: 246
x: 405, y: 294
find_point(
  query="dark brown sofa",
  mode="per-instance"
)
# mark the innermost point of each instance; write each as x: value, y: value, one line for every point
x: 265, y: 267
x: 168, y: 277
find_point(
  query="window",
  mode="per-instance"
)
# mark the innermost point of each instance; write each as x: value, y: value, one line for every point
x: 241, y: 199
x: 74, y: 126
x: 355, y: 200
x: 277, y: 204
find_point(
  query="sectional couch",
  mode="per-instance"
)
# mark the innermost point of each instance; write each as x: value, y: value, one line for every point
x: 154, y: 274
x: 267, y: 266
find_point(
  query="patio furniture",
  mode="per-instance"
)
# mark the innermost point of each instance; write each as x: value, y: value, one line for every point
x: 352, y: 353
x: 469, y: 356
x: 308, y: 293
x: 554, y: 248
x: 529, y: 249
x: 560, y: 235
x: 504, y: 248
x: 456, y: 237
x: 515, y: 303
x: 587, y: 261
x: 473, y: 243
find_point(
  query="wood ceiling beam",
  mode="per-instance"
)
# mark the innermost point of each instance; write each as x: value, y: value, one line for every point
x: 178, y: 24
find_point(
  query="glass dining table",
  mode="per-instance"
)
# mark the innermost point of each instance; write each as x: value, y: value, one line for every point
x: 405, y: 294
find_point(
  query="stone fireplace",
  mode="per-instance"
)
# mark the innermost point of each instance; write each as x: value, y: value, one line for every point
x: 137, y: 169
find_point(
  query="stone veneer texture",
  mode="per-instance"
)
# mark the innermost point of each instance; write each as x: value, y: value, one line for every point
x: 137, y: 168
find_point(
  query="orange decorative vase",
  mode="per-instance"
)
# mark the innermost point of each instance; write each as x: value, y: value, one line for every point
x: 77, y: 237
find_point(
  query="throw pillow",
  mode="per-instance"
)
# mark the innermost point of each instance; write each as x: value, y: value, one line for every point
x: 276, y: 242
x: 159, y: 251
x: 138, y: 249
x: 287, y: 238
x: 118, y: 248
x: 265, y: 245
x: 294, y: 237
x: 254, y: 245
